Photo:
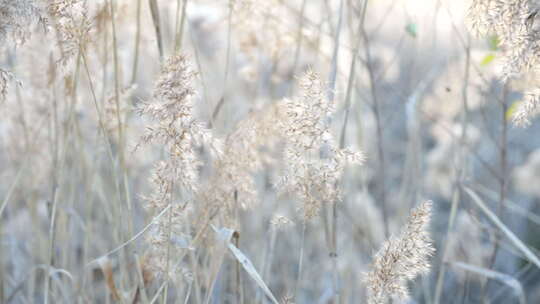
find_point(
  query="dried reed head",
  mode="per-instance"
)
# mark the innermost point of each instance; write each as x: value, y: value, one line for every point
x: 401, y: 258
x: 262, y: 29
x: 112, y: 111
x: 16, y: 18
x: 514, y: 24
x: 175, y: 128
x: 528, y: 108
x: 72, y: 24
x: 314, y: 164
x: 262, y: 25
x: 246, y: 151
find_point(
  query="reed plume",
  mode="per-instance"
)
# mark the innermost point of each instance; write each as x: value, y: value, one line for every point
x: 401, y: 258
x: 513, y: 23
x: 175, y: 128
x: 313, y: 163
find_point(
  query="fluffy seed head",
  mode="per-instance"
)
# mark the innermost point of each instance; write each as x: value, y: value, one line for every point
x: 401, y: 258
x: 314, y: 165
